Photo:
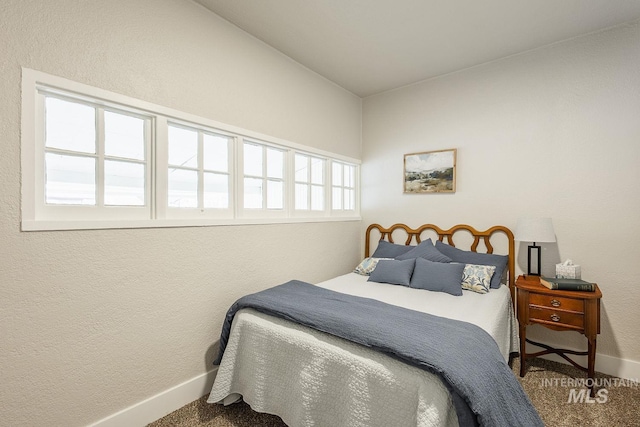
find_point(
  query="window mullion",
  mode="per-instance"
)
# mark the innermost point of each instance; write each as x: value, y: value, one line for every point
x: 308, y: 183
x: 150, y: 167
x: 200, y: 171
x: 290, y: 184
x: 356, y: 183
x: 286, y: 178
x: 265, y: 180
x: 345, y: 192
x: 100, y: 141
x: 326, y: 207
x: 238, y: 177
x: 161, y: 162
x: 232, y: 173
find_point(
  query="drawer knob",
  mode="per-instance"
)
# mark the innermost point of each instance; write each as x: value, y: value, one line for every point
x: 555, y: 303
x: 555, y: 317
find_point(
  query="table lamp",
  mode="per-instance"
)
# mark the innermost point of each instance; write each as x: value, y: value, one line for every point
x: 534, y: 230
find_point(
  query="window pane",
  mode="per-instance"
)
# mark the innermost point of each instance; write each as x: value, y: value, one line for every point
x: 336, y: 175
x: 216, y: 191
x: 302, y: 196
x: 349, y: 177
x: 183, y: 188
x: 252, y: 159
x: 253, y: 193
x: 70, y: 126
x: 317, y: 198
x: 216, y: 152
x: 123, y: 183
x: 349, y: 200
x: 302, y: 168
x: 123, y: 136
x: 275, y: 163
x: 183, y: 147
x: 337, y: 198
x: 275, y: 195
x: 317, y: 171
x: 70, y: 180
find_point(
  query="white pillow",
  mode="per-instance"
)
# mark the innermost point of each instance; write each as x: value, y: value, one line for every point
x: 477, y: 278
x: 367, y: 266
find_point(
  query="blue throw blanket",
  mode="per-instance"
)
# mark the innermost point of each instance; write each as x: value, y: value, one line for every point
x: 483, y: 388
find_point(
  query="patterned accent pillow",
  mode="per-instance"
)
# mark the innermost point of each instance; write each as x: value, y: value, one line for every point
x: 367, y: 266
x: 477, y: 278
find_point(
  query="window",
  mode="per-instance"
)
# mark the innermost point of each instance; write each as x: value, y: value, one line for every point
x: 97, y: 159
x: 198, y: 170
x: 94, y: 157
x: 309, y: 183
x: 343, y: 179
x: 263, y: 177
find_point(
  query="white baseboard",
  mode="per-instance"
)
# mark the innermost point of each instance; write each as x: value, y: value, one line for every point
x: 621, y: 368
x: 163, y: 403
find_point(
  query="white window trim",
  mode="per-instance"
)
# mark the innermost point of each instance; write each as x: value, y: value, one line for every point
x: 33, y: 168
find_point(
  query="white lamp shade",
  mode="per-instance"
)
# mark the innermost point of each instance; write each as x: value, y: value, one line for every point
x: 534, y: 230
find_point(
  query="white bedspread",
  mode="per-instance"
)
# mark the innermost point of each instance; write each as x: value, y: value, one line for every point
x: 310, y: 378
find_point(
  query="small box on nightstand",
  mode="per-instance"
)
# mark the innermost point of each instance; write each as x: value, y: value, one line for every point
x: 570, y: 271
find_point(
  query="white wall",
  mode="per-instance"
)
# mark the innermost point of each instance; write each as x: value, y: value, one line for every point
x: 92, y: 322
x: 551, y: 132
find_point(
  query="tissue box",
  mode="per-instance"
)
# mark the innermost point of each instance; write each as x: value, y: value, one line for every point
x: 568, y: 271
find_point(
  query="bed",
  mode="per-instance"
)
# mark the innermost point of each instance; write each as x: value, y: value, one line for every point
x: 309, y: 377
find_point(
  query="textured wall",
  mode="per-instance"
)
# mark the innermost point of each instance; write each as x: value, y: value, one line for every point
x: 92, y: 322
x: 551, y: 132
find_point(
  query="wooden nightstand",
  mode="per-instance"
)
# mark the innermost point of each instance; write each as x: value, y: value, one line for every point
x: 560, y: 311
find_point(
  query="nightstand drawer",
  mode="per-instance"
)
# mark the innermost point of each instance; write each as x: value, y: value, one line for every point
x: 556, y: 316
x: 559, y: 303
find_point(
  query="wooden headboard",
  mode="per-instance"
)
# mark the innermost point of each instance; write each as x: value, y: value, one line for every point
x: 485, y: 236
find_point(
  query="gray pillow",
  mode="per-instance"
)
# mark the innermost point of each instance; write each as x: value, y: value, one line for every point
x: 470, y: 257
x: 425, y: 250
x: 390, y: 250
x: 393, y: 272
x: 438, y: 276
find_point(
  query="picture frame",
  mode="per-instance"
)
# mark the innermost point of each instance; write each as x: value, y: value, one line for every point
x: 430, y: 172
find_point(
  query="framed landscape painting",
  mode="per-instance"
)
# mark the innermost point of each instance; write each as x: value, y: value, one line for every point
x: 430, y: 172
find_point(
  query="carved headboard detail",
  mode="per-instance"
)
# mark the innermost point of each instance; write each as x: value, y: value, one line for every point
x: 478, y: 236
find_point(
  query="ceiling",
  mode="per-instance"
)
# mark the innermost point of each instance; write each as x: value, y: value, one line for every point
x: 371, y: 46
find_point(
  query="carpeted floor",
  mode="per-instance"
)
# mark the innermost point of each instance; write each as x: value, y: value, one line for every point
x: 546, y: 383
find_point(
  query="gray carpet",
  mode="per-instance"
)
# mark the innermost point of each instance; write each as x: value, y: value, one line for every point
x: 550, y: 399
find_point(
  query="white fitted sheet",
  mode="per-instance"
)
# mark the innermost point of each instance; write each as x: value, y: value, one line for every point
x: 493, y: 311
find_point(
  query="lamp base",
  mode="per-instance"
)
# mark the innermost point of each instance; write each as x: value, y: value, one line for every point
x: 530, y: 249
